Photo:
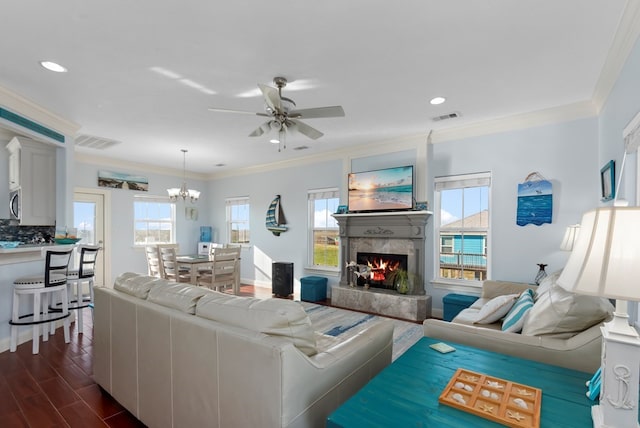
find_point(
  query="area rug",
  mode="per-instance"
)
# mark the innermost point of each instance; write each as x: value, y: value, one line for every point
x: 342, y: 324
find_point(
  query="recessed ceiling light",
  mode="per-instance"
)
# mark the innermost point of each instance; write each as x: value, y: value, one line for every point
x: 437, y: 100
x: 53, y: 66
x: 274, y: 141
x: 220, y: 164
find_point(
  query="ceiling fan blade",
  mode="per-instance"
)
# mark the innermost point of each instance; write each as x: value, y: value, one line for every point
x: 305, y: 129
x: 265, y: 127
x: 317, y: 112
x: 226, y: 110
x: 271, y: 97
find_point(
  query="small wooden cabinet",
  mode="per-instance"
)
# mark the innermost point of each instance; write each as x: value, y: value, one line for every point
x: 32, y: 169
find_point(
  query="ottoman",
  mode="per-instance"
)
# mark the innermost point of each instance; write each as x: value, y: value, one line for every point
x: 454, y: 303
x: 313, y: 288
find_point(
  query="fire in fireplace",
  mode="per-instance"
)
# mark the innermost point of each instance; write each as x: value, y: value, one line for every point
x: 382, y: 268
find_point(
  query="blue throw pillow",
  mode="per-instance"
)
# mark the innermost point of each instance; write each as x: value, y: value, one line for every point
x: 514, y: 321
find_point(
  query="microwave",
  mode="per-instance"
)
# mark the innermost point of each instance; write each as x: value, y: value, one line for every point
x: 15, y: 210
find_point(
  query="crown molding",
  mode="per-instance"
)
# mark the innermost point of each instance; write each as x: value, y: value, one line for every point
x: 623, y: 42
x: 371, y: 149
x: 142, y: 167
x: 35, y: 112
x: 579, y: 110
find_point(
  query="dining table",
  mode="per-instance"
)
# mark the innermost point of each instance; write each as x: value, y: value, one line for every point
x: 197, y: 262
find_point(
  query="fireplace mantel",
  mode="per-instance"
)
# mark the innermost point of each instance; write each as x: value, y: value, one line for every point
x: 393, y: 224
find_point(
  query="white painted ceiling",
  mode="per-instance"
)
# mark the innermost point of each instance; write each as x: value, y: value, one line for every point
x: 381, y: 60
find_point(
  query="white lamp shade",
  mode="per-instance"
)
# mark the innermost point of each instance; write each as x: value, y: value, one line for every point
x: 570, y: 236
x: 605, y: 260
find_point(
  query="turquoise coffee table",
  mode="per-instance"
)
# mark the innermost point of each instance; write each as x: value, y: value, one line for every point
x: 405, y: 393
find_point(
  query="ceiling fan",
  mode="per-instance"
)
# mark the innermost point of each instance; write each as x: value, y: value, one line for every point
x: 283, y: 115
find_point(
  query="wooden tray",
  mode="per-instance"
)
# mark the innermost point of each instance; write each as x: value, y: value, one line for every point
x: 493, y: 398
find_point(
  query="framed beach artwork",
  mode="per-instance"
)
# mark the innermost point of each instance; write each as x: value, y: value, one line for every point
x: 120, y: 180
x: 535, y: 201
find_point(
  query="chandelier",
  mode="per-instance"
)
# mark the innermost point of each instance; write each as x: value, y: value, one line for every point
x: 183, y: 192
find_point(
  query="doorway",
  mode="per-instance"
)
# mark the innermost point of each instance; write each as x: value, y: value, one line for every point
x: 90, y: 218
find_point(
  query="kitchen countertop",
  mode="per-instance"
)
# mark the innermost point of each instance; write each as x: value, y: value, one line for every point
x: 27, y: 252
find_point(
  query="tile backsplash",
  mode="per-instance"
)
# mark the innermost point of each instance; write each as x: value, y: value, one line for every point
x: 26, y: 234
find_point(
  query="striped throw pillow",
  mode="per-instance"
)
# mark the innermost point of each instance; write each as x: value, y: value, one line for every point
x: 514, y: 321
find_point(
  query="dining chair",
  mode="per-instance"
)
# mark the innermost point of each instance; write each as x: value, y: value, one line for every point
x: 224, y: 269
x: 153, y: 261
x: 169, y: 267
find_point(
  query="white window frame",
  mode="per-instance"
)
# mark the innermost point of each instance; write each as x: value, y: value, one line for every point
x: 230, y: 202
x: 459, y: 182
x: 312, y: 196
x: 171, y: 221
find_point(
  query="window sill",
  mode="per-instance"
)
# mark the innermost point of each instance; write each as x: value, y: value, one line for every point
x: 457, y: 286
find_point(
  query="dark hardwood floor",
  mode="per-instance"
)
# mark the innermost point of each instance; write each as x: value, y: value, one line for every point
x: 55, y: 388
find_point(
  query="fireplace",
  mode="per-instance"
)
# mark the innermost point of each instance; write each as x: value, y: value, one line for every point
x: 381, y: 269
x: 396, y: 237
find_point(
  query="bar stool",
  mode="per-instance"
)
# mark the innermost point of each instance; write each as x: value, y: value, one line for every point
x: 78, y: 299
x: 42, y: 287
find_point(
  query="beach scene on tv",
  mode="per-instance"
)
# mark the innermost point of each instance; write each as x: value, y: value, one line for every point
x: 385, y: 189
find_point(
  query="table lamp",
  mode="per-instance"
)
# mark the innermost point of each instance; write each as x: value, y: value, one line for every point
x: 570, y: 236
x: 605, y: 262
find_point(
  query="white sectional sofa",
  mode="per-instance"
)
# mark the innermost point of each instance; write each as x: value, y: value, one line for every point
x: 561, y: 328
x: 176, y: 355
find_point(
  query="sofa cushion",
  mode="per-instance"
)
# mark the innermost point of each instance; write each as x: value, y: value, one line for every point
x: 135, y: 284
x: 546, y: 284
x: 559, y: 311
x: 495, y: 309
x: 514, y: 321
x: 276, y: 317
x: 180, y: 296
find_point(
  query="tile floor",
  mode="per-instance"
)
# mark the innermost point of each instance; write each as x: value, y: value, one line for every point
x: 55, y: 388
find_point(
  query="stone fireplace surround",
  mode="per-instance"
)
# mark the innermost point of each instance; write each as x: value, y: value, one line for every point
x: 396, y: 232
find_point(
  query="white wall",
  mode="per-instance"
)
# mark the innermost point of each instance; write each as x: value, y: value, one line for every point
x: 565, y: 154
x: 292, y: 184
x: 124, y: 257
x: 621, y: 106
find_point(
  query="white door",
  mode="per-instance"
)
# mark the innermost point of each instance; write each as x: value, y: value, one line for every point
x: 90, y: 220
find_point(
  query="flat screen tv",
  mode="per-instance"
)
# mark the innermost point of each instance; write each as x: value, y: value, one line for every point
x: 389, y: 189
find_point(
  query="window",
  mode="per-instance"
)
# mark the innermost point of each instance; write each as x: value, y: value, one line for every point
x: 462, y: 220
x: 323, y: 229
x: 238, y: 220
x: 154, y: 220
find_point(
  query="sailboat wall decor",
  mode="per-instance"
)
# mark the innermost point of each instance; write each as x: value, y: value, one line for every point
x: 275, y: 221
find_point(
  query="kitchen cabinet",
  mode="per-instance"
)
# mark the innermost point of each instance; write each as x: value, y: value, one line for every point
x: 14, y: 169
x: 32, y: 170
